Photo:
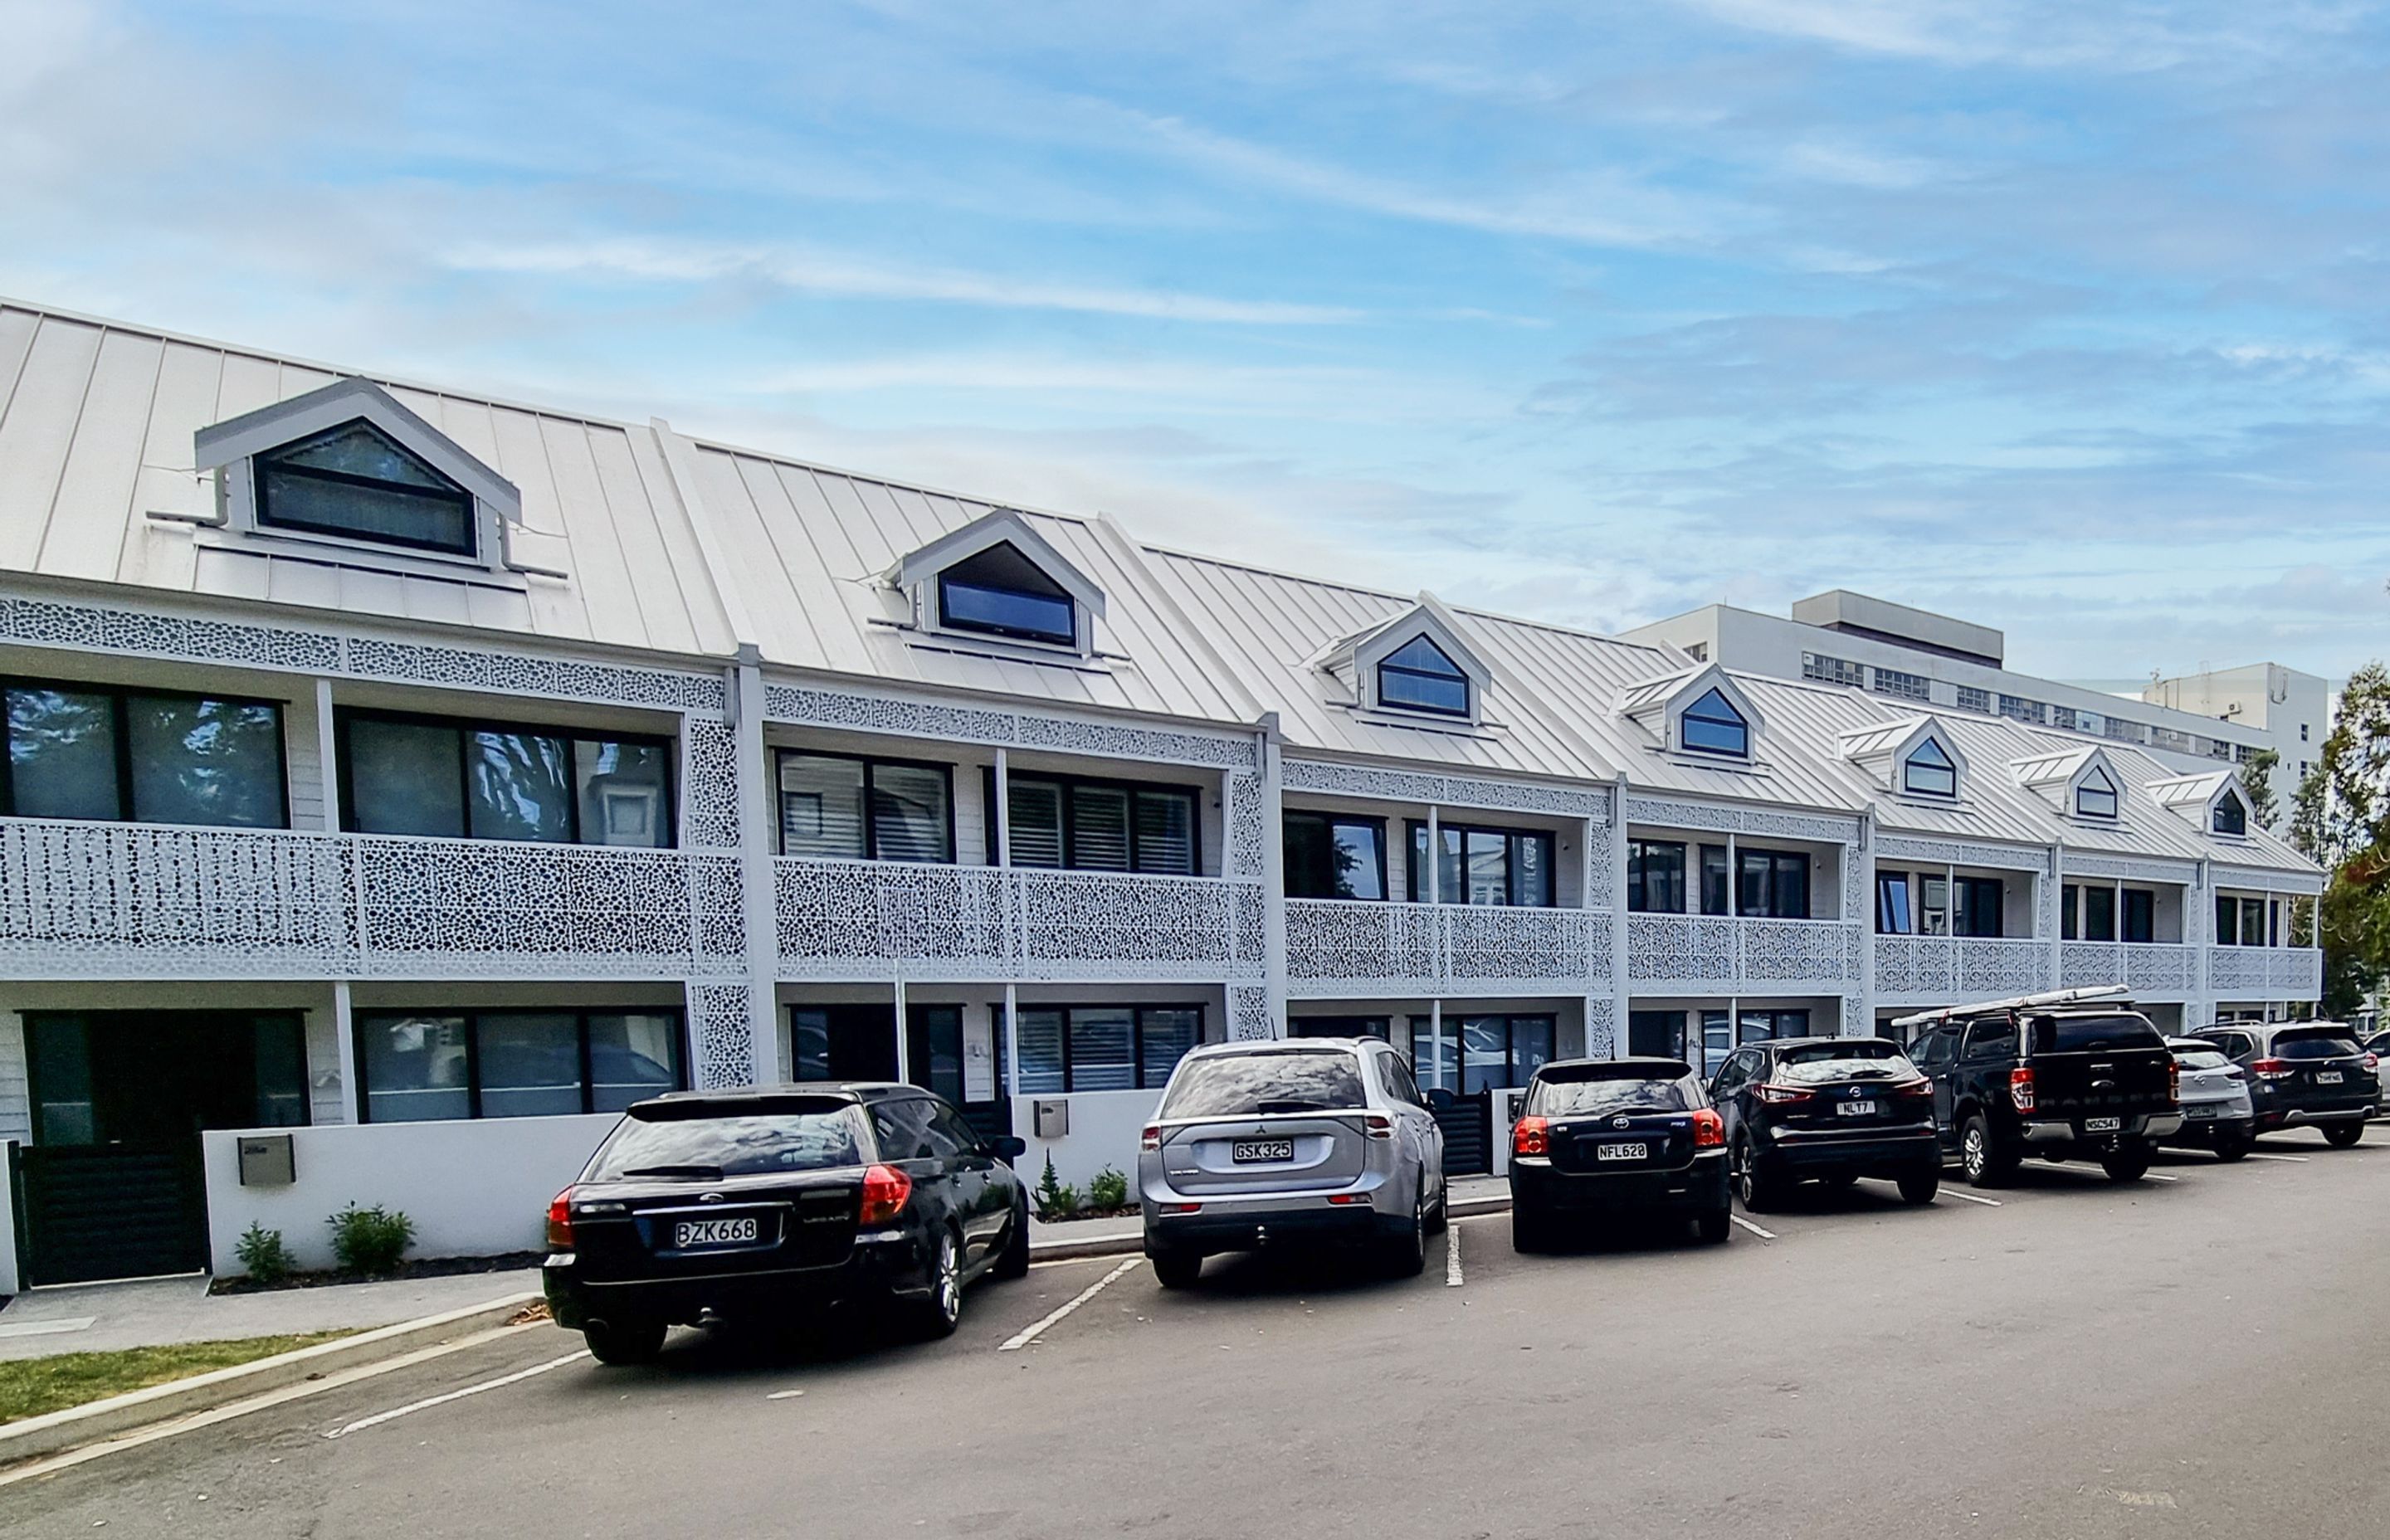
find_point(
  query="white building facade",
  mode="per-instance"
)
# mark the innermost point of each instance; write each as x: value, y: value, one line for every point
x: 401, y: 782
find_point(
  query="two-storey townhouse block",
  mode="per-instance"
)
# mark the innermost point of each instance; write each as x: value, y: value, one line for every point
x: 398, y: 782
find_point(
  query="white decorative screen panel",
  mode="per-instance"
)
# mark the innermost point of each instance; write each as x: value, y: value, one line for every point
x: 722, y: 1041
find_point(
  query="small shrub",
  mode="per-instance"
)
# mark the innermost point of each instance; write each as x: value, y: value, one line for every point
x: 260, y: 1251
x: 1108, y: 1189
x: 370, y: 1240
x: 1065, y: 1204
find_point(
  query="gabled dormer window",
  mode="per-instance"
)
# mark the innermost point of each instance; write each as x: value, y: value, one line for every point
x: 1712, y: 725
x: 356, y: 481
x: 1419, y: 676
x: 1929, y: 771
x: 2231, y: 815
x: 1004, y: 593
x: 2095, y: 795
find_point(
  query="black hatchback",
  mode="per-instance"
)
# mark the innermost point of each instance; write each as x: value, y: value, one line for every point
x: 2304, y: 1074
x: 1615, y: 1135
x: 755, y: 1206
x: 1827, y: 1108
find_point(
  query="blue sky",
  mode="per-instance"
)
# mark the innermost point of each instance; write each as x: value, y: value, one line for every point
x: 2064, y: 317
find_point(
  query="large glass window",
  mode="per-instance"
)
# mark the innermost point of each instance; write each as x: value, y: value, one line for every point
x: 1065, y: 1048
x: 1982, y: 907
x: 2140, y: 915
x: 1655, y: 876
x: 1481, y: 1052
x: 1712, y: 725
x: 1334, y: 855
x: 422, y: 1066
x: 407, y: 775
x: 1102, y: 825
x: 1655, y: 1033
x: 1003, y: 592
x: 1722, y: 1033
x: 1929, y: 771
x: 1775, y: 884
x: 2242, y: 922
x: 2095, y: 795
x: 1496, y: 867
x: 866, y: 809
x: 356, y: 481
x: 1421, y: 676
x: 99, y: 752
x: 1894, y: 910
x: 2231, y: 817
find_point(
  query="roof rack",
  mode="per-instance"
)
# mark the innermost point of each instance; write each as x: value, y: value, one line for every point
x: 2021, y: 1002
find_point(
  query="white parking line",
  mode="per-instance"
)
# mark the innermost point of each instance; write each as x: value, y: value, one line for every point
x: 1971, y: 1198
x: 431, y: 1401
x: 1764, y: 1235
x: 1451, y: 1257
x: 2160, y: 1177
x: 2255, y: 1156
x: 1029, y: 1334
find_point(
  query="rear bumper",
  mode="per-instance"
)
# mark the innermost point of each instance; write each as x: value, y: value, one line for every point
x: 2205, y: 1133
x: 881, y: 1266
x: 1260, y: 1223
x: 2050, y: 1136
x: 2299, y: 1115
x: 1825, y: 1151
x: 1698, y: 1188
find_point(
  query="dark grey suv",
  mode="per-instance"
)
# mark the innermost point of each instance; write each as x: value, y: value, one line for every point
x: 2304, y: 1074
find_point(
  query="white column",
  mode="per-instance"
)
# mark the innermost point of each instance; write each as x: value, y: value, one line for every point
x: 1861, y: 906
x: 1435, y: 1042
x: 757, y: 889
x: 1273, y: 875
x: 1002, y: 812
x: 329, y: 753
x: 345, y: 1043
x: 904, y: 1037
x: 1011, y: 1028
x: 1621, y: 997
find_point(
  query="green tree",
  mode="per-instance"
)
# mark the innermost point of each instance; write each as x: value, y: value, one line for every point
x: 2340, y: 819
x: 2257, y: 779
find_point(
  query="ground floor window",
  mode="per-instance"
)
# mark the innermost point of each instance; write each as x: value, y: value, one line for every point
x: 1481, y: 1052
x: 158, y: 1077
x: 1657, y: 1033
x: 1103, y: 1048
x: 1722, y: 1031
x: 1378, y: 1027
x: 418, y: 1066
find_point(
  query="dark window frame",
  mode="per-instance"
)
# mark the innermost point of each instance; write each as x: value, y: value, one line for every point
x: 1373, y: 822
x: 1949, y: 767
x: 1044, y: 638
x: 2239, y: 811
x: 1638, y: 876
x: 465, y: 727
x: 37, y: 1134
x: 2107, y: 789
x: 120, y: 696
x: 450, y: 492
x: 1136, y: 1010
x: 1422, y: 1030
x: 1736, y: 717
x: 473, y: 1016
x: 870, y: 808
x: 1070, y: 783
x: 1386, y: 665
x: 1415, y: 834
x: 1966, y: 894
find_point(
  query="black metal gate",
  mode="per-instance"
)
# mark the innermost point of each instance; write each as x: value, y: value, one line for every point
x: 1467, y: 1123
x: 113, y: 1211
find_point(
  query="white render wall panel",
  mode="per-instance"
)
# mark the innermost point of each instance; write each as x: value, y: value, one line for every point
x: 37, y: 434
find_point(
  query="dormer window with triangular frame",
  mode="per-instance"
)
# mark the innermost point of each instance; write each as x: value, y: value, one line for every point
x: 1929, y: 771
x: 2096, y: 796
x: 2229, y: 818
x: 1419, y: 676
x: 357, y: 482
x: 1712, y: 724
x: 999, y: 578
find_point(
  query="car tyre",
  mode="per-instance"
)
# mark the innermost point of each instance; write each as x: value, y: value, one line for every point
x: 2233, y: 1147
x: 1530, y: 1232
x: 2125, y: 1165
x: 1921, y: 1184
x: 1014, y: 1260
x: 1715, y: 1226
x: 1441, y: 1218
x: 1759, y: 1188
x: 938, y: 1312
x: 629, y: 1342
x: 1407, y: 1255
x: 1980, y: 1155
x: 2343, y: 1135
x: 1175, y: 1269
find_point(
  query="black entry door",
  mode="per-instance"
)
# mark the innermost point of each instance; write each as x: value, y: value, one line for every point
x: 934, y: 1053
x: 113, y: 1180
x: 842, y: 1042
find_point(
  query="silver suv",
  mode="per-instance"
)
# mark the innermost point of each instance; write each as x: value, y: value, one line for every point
x: 1267, y: 1144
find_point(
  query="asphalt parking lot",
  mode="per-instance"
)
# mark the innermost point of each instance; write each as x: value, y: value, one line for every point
x: 2194, y: 1355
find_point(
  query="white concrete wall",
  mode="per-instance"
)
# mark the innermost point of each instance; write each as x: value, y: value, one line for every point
x: 473, y: 1188
x: 1104, y: 1126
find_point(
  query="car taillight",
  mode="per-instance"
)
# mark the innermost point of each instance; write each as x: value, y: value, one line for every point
x: 1779, y: 1094
x: 1709, y: 1130
x: 2269, y: 1069
x: 885, y: 1190
x: 2021, y: 1088
x: 1920, y: 1087
x: 1151, y: 1138
x: 2373, y: 1062
x: 2174, y: 1081
x: 1531, y: 1137
x: 560, y: 1222
x: 1344, y: 1200
x: 1380, y: 1125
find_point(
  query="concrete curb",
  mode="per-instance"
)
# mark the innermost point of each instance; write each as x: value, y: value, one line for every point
x: 1128, y: 1245
x: 99, y: 1419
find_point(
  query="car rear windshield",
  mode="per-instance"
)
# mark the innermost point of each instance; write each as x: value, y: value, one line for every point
x: 2200, y: 1058
x: 1251, y: 1084
x: 1818, y: 1063
x: 681, y: 1148
x: 2093, y: 1033
x: 2315, y: 1045
x: 1588, y: 1099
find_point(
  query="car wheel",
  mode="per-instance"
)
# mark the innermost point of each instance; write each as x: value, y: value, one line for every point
x: 1842, y: 1181
x: 1442, y: 1218
x: 2343, y: 1135
x: 631, y: 1342
x: 1715, y: 1226
x: 1980, y: 1156
x: 2125, y: 1165
x: 1530, y: 1231
x: 2233, y: 1147
x: 1014, y: 1260
x: 1759, y: 1189
x: 1175, y: 1269
x: 1407, y: 1255
x: 940, y: 1311
x: 1919, y: 1185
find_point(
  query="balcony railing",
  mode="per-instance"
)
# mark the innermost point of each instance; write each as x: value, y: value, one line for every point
x: 2263, y: 972
x: 1350, y: 948
x: 2151, y: 969
x: 1674, y: 954
x: 100, y: 900
x: 1947, y: 970
x: 865, y: 919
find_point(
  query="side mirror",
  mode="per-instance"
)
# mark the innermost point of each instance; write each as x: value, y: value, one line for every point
x: 1007, y: 1146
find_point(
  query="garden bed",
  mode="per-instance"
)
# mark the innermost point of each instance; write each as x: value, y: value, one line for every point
x: 32, y: 1387
x: 1070, y: 1216
x: 429, y: 1267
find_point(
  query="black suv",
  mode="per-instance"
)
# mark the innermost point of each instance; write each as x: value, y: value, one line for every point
x: 2304, y: 1074
x: 715, y: 1207
x: 1827, y: 1108
x: 2058, y: 1076
x: 1604, y: 1137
